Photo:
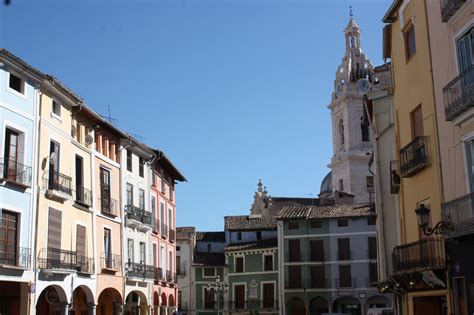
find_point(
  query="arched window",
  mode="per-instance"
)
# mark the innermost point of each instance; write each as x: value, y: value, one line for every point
x: 364, y: 127
x: 341, y: 132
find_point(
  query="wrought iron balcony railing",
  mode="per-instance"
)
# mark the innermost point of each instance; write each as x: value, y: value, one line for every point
x: 414, y: 156
x: 449, y: 8
x: 108, y: 206
x: 459, y: 94
x: 14, y: 172
x: 137, y: 214
x: 460, y: 212
x: 170, y: 277
x: 159, y: 274
x: 428, y: 253
x: 52, y: 258
x: 164, y: 230
x: 172, y: 235
x: 394, y: 177
x: 139, y: 270
x: 58, y: 182
x: 110, y: 261
x: 83, y: 196
x: 12, y: 256
x: 345, y: 283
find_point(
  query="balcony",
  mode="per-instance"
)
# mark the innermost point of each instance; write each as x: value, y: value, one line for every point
x: 16, y: 173
x: 172, y: 234
x: 137, y: 218
x: 449, y: 8
x: 294, y: 283
x: 255, y: 305
x: 461, y: 214
x: 428, y: 253
x: 159, y: 274
x: 110, y: 262
x: 459, y: 94
x: 319, y: 283
x: 155, y: 225
x: 58, y: 186
x: 170, y: 277
x: 344, y: 255
x: 138, y: 270
x: 16, y: 257
x: 345, y: 283
x: 66, y: 260
x: 83, y: 196
x: 108, y: 206
x: 414, y: 157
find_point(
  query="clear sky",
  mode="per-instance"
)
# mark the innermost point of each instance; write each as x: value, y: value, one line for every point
x: 231, y: 90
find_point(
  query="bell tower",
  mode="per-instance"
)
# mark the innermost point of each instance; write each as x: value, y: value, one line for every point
x: 352, y: 138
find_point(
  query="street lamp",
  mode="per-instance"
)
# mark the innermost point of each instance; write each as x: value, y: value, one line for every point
x: 218, y: 286
x: 423, y: 216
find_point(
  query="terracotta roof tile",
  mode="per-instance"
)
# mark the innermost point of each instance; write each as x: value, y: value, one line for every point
x: 247, y: 223
x: 210, y: 236
x: 257, y: 244
x: 338, y: 210
x: 209, y: 259
x: 185, y: 233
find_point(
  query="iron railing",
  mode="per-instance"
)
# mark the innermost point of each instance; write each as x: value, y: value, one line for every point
x: 414, y: 156
x: 459, y: 94
x: 108, y: 206
x: 110, y: 261
x: 428, y: 253
x: 14, y: 172
x: 159, y: 274
x: 15, y: 256
x: 59, y: 182
x: 84, y: 264
x: 53, y: 258
x: 83, y: 196
x: 170, y: 277
x: 449, y: 8
x: 460, y: 213
x: 172, y: 235
x: 139, y: 270
x: 345, y: 283
x: 164, y: 230
x: 134, y: 213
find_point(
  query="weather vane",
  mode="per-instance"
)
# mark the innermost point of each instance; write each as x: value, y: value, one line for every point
x: 350, y: 11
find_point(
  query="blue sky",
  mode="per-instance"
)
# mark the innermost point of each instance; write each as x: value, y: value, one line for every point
x: 231, y: 90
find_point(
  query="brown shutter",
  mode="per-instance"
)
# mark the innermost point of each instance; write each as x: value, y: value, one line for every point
x: 268, y: 295
x: 417, y: 122
x: 345, y: 276
x: 54, y: 228
x: 317, y: 250
x: 318, y: 277
x: 294, y: 249
x: 80, y: 240
x: 344, y: 248
x: 239, y: 296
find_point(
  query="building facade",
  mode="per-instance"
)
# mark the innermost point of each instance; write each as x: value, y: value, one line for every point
x: 18, y: 138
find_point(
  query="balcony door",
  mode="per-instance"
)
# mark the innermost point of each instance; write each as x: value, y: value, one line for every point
x: 107, y: 248
x: 81, y: 246
x: 79, y: 179
x: 105, y: 190
x: 12, y: 146
x: 239, y: 295
x: 54, y: 238
x: 465, y: 47
x: 54, y: 151
x: 8, y: 238
x: 268, y: 295
x: 142, y: 253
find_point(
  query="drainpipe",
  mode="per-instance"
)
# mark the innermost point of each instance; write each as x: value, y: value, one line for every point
x: 93, y: 215
x: 281, y: 266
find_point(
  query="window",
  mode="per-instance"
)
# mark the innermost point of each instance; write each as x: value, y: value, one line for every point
x: 129, y: 160
x: 56, y: 109
x: 163, y: 184
x: 170, y: 261
x: 410, y: 44
x: 162, y: 216
x: 416, y: 118
x: 465, y: 48
x: 294, y: 277
x: 178, y: 248
x: 81, y: 247
x: 370, y: 183
x: 341, y: 184
x: 470, y: 163
x: 373, y: 274
x: 364, y: 127
x: 178, y: 264
x: 142, y: 253
x: 315, y: 224
x: 268, y: 295
x: 16, y: 83
x: 129, y: 194
x: 318, y: 276
x: 171, y: 193
x: 141, y: 199
x: 342, y: 222
x: 209, y: 272
x: 259, y: 235
x: 14, y: 145
x: 141, y: 163
x: 54, y: 150
x: 170, y: 218
x: 9, y: 238
x: 239, y: 236
x: 153, y: 179
x: 341, y: 132
x: 81, y: 195
x: 239, y: 264
x: 209, y: 298
x: 371, y: 220
x: 107, y: 247
x: 163, y: 257
x: 294, y: 249
x: 344, y: 248
x: 209, y: 247
x: 293, y: 225
x: 316, y: 250
x: 105, y: 201
x: 372, y: 245
x: 153, y: 207
x: 130, y: 250
x: 268, y: 262
x: 345, y: 276
x: 155, y: 255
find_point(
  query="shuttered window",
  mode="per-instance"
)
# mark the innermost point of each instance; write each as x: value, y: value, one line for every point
x: 372, y: 248
x: 239, y: 295
x: 8, y: 237
x: 268, y: 295
x: 417, y: 122
x: 318, y: 277
x: 209, y: 298
x: 54, y: 228
x: 345, y: 276
x: 294, y: 277
x: 81, y: 240
x: 239, y: 264
x: 316, y: 250
x: 294, y: 250
x: 344, y: 248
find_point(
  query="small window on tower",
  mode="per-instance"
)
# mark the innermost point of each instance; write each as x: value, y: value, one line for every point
x: 341, y: 184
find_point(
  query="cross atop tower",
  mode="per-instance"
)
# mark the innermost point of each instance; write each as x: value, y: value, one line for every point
x: 350, y: 11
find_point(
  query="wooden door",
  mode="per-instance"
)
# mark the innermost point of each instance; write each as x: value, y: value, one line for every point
x: 427, y: 305
x: 8, y: 238
x: 105, y: 190
x: 54, y: 238
x: 268, y: 295
x: 11, y: 154
x: 239, y: 296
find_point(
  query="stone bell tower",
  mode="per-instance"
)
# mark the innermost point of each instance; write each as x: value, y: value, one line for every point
x: 351, y: 134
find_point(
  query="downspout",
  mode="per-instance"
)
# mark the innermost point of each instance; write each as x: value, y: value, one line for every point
x: 281, y: 266
x: 94, y: 212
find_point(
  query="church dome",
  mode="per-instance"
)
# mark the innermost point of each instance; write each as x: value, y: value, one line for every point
x: 326, y: 185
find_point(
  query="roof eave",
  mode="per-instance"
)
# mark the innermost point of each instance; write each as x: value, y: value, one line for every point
x: 388, y: 17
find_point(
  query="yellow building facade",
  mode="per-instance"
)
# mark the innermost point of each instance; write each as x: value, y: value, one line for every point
x: 419, y: 263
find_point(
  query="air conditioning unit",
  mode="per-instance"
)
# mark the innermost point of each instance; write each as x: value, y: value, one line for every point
x: 73, y: 131
x: 89, y: 139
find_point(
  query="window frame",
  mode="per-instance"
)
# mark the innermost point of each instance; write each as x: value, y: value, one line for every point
x: 56, y: 111
x: 264, y: 265
x: 129, y: 160
x: 21, y: 93
x: 406, y: 33
x: 293, y: 225
x: 238, y: 257
x: 209, y: 268
x: 341, y: 224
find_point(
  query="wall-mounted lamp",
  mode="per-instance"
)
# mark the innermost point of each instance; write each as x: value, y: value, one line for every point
x: 423, y: 215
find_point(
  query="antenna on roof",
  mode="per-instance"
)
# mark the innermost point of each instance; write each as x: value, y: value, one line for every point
x: 109, y: 118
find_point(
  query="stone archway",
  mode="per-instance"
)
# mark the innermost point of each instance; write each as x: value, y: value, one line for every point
x: 109, y: 302
x: 136, y: 304
x: 347, y: 305
x: 164, y: 304
x: 318, y: 306
x: 156, y: 303
x: 82, y: 300
x: 377, y: 301
x: 296, y: 306
x: 52, y: 300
